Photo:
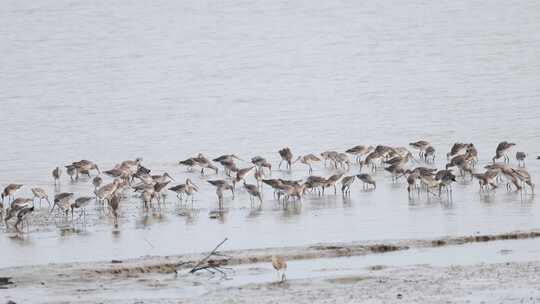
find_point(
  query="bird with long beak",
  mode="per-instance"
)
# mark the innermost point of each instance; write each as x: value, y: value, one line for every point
x: 9, y: 190
x: 308, y: 160
x: 221, y: 185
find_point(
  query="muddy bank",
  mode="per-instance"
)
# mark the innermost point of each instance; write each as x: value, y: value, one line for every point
x: 169, y: 264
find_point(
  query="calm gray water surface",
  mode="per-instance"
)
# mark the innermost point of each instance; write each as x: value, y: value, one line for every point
x: 168, y: 79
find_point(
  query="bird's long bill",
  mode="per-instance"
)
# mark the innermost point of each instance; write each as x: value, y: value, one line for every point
x: 98, y: 171
x: 52, y: 209
x: 167, y: 174
x: 234, y: 156
x: 232, y: 191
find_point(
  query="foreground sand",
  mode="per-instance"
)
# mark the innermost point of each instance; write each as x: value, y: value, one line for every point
x: 251, y: 279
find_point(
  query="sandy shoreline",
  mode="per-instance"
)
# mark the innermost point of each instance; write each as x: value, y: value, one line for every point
x: 152, y: 279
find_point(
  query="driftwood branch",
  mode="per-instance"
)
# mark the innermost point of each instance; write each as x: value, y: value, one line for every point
x: 206, y: 263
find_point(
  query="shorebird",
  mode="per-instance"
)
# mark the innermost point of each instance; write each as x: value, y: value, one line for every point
x: 463, y: 162
x: 331, y: 182
x: 346, y: 183
x: 359, y: 151
x: 56, y: 173
x: 421, y: 146
x: 86, y: 166
x: 502, y: 150
x: 71, y: 171
x: 118, y: 172
x: 342, y: 160
x: 524, y: 176
x: 520, y: 157
x: 158, y: 187
x: 221, y: 185
x: 187, y: 189
x: 308, y: 160
x: 9, y: 190
x: 429, y: 183
x: 97, y: 181
x: 367, y: 180
x: 429, y: 155
x: 261, y: 162
x: 189, y: 163
x: 253, y: 192
x: 147, y: 196
x: 286, y: 156
x: 105, y: 192
x: 396, y: 170
x: 399, y: 160
x: 329, y: 155
x: 473, y: 154
x: 204, y: 163
x: 446, y: 178
x: 165, y: 177
x: 81, y: 203
x: 280, y: 265
x: 372, y: 159
x: 41, y: 195
x: 506, y: 171
x: 62, y: 200
x: 114, y: 204
x: 487, y: 178
x: 226, y: 157
x: 241, y: 175
x: 412, y: 182
x: 259, y: 176
x: 22, y: 216
x: 457, y: 149
x: 229, y: 166
x: 17, y: 205
x: 315, y: 182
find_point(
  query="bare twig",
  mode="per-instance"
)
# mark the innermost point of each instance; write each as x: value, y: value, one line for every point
x: 210, y: 265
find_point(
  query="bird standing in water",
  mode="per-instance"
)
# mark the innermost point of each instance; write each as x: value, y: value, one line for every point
x: 280, y: 265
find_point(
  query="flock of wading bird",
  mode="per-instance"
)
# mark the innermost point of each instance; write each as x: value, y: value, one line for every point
x: 462, y: 161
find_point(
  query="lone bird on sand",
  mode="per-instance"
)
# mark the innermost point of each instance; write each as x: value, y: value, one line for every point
x: 280, y: 265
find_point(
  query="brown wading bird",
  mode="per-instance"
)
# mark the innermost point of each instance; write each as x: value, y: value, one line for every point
x: 187, y: 189
x: 502, y: 151
x: 81, y: 203
x: 487, y: 178
x: 308, y: 160
x: 429, y: 155
x: 97, y: 181
x: 346, y: 183
x: 457, y: 149
x: 286, y: 156
x: 62, y: 200
x: 331, y: 182
x: 204, y: 163
x: 359, y: 151
x: 9, y: 190
x: 253, y: 192
x: 221, y: 185
x: 367, y: 180
x: 85, y: 166
x: 56, y: 173
x: 261, y: 163
x: 71, y: 171
x: 41, y: 195
x: 114, y: 204
x: 280, y: 265
x: 520, y: 157
x: 421, y: 146
x: 189, y: 163
x: 240, y: 175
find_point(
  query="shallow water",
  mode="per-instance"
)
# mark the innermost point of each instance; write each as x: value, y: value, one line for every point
x: 166, y: 79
